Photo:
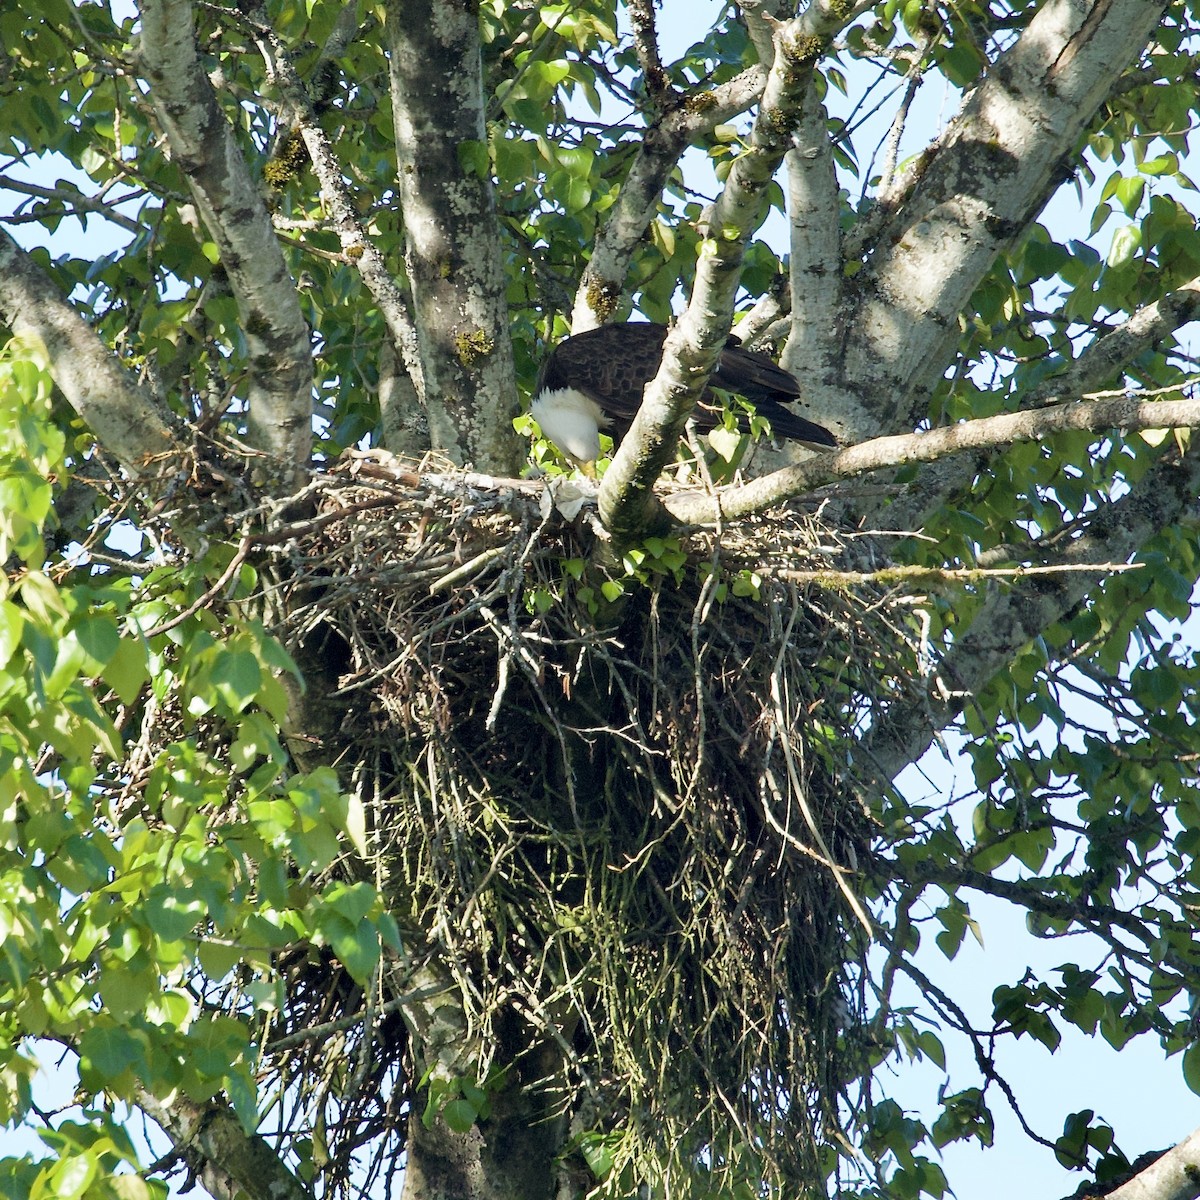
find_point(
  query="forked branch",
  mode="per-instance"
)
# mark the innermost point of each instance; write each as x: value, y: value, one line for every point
x: 692, y: 347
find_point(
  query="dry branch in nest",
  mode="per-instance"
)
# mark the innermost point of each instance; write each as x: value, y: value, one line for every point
x: 624, y: 831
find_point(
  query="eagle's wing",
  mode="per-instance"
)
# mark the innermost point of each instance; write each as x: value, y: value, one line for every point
x: 752, y: 374
x: 790, y: 425
x: 611, y: 365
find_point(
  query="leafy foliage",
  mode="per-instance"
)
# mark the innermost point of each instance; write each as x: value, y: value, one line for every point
x: 119, y: 887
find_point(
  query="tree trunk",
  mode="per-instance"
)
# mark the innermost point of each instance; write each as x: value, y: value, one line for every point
x: 512, y: 1154
x: 452, y: 237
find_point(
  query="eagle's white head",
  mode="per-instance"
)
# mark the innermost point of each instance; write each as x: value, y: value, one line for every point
x: 572, y: 421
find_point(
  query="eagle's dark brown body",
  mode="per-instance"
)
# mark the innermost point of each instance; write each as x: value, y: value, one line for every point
x: 612, y: 365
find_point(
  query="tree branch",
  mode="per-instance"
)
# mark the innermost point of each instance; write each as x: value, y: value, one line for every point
x: 771, y: 307
x: 627, y: 506
x: 73, y: 201
x: 359, y: 247
x: 1100, y: 364
x: 203, y: 145
x: 1034, y: 895
x: 816, y: 276
x: 1174, y: 1176
x: 124, y: 416
x: 1115, y: 412
x: 953, y: 1014
x: 645, y: 46
x: 699, y: 113
x: 233, y: 1162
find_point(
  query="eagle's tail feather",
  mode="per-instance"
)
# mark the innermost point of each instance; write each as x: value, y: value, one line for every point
x: 790, y: 425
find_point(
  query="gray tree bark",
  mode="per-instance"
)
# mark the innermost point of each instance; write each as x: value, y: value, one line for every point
x: 452, y: 233
x: 233, y: 209
x: 124, y: 415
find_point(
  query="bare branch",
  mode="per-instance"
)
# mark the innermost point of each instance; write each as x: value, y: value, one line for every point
x: 356, y: 242
x: 760, y: 19
x: 1036, y: 896
x: 124, y: 416
x: 203, y: 144
x: 914, y: 577
x: 404, y: 427
x: 645, y: 45
x: 232, y: 1162
x: 887, y: 173
x: 73, y: 201
x: 1174, y: 1176
x: 956, y: 1017
x: 1101, y: 363
x: 816, y: 277
x: 771, y: 308
x: 699, y: 112
x: 1114, y: 412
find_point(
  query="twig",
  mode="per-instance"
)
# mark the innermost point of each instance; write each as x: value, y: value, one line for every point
x: 235, y: 564
x: 468, y: 569
x: 315, y: 1032
x: 798, y: 790
x: 73, y: 199
x: 645, y: 45
x: 892, y: 153
x: 931, y: 576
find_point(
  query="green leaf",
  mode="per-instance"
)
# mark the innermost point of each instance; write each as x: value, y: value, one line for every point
x: 931, y: 1046
x: 134, y: 1187
x: 1125, y: 244
x: 1163, y: 164
x: 218, y: 958
x: 170, y: 917
x: 1129, y: 192
x: 459, y: 1115
x: 357, y: 947
x: 726, y: 442
x: 474, y: 158
x: 12, y: 621
x: 124, y: 991
x: 237, y: 678
x: 598, y: 1152
x: 1191, y: 1067
x: 127, y: 670
x: 352, y: 901
x: 356, y: 824
x: 70, y: 1177
x: 108, y: 1051
x: 98, y: 639
x: 1100, y: 215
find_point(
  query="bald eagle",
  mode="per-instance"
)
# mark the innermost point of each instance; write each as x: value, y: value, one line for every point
x: 594, y: 381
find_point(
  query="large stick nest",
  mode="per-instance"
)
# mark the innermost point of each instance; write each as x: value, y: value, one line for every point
x: 621, y: 832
